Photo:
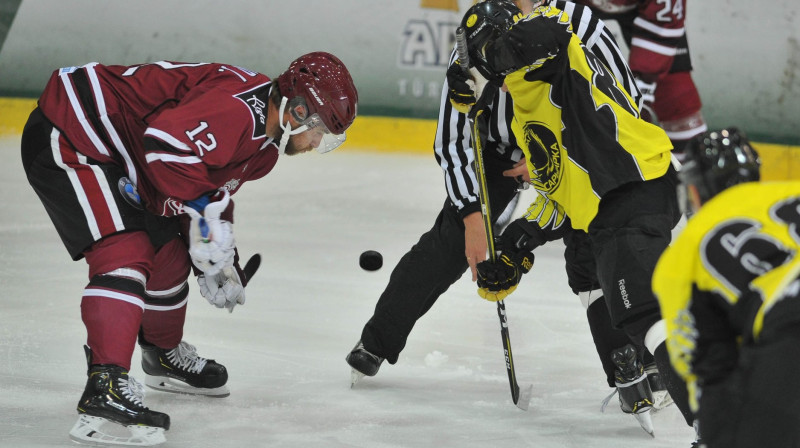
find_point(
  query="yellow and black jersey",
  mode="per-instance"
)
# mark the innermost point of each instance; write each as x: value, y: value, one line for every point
x: 741, y: 246
x: 578, y: 126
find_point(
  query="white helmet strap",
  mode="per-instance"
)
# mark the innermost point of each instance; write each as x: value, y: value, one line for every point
x: 287, y: 128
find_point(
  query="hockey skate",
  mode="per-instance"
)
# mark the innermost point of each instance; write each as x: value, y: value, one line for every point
x: 698, y: 439
x: 363, y: 363
x: 112, y: 413
x: 661, y: 397
x: 635, y: 396
x: 182, y: 370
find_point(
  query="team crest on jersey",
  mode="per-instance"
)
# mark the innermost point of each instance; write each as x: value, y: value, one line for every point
x: 232, y: 184
x: 172, y: 207
x: 256, y: 100
x: 545, y: 156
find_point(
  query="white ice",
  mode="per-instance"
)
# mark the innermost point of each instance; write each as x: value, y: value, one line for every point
x: 290, y: 386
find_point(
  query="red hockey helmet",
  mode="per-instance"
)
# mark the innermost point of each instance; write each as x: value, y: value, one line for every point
x: 324, y: 84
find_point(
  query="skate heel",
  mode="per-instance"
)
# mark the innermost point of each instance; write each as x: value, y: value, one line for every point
x: 635, y: 396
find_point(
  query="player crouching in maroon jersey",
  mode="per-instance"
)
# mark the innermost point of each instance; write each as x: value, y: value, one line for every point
x: 136, y: 166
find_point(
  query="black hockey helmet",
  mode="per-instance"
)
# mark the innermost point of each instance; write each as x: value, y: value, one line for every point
x: 483, y: 23
x: 716, y: 160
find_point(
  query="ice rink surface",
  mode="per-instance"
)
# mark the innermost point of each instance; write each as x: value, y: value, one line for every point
x: 290, y: 386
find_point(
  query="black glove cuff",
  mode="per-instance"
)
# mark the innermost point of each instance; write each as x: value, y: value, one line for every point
x: 522, y: 234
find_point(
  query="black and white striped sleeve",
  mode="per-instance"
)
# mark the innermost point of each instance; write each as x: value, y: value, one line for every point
x: 599, y: 40
x: 454, y: 153
x: 453, y: 146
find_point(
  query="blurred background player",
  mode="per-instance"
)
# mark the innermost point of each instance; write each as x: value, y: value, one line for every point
x: 588, y: 150
x: 135, y: 166
x: 457, y: 240
x: 729, y: 288
x: 655, y: 33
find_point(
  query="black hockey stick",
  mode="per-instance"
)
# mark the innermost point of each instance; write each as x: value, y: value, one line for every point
x: 251, y: 266
x: 521, y: 398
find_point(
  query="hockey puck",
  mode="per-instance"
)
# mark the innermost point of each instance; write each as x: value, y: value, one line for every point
x: 370, y: 260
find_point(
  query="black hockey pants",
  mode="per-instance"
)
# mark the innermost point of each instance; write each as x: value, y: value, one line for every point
x: 426, y: 271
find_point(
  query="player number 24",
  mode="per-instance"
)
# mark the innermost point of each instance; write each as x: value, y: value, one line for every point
x: 671, y: 9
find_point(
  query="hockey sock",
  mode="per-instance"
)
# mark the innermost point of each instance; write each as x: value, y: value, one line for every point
x: 162, y: 322
x: 675, y: 385
x: 166, y: 296
x: 112, y: 316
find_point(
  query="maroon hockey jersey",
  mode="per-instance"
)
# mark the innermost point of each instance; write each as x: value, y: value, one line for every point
x: 657, y: 32
x: 180, y: 130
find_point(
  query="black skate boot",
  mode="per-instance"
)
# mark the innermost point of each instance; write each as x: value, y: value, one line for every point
x: 661, y: 397
x: 363, y: 363
x: 182, y: 370
x: 112, y: 413
x: 635, y: 396
x: 698, y: 440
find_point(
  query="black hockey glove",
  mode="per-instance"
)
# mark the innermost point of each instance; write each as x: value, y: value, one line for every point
x: 497, y: 279
x: 520, y: 236
x: 462, y: 88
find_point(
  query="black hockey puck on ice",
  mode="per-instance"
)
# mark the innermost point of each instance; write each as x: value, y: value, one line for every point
x: 370, y: 260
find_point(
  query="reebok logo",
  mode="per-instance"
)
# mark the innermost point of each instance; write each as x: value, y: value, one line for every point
x: 624, y: 293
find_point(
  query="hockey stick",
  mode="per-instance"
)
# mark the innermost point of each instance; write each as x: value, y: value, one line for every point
x: 251, y: 266
x: 521, y: 398
x: 249, y: 270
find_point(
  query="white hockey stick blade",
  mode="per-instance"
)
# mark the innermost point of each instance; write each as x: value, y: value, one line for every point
x: 646, y: 422
x: 98, y: 431
x: 167, y: 384
x: 525, y: 395
x: 355, y: 377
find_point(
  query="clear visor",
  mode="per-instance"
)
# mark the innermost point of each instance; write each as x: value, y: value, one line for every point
x: 321, y: 138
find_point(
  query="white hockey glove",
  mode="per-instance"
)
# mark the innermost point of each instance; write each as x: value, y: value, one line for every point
x: 224, y: 289
x: 648, y: 90
x: 211, y: 242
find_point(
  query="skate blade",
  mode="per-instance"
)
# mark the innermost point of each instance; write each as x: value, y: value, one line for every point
x: 646, y: 422
x: 98, y: 431
x: 355, y: 377
x: 525, y: 396
x: 167, y: 384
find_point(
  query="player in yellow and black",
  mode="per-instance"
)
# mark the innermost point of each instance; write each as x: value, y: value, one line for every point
x: 589, y: 151
x: 730, y: 295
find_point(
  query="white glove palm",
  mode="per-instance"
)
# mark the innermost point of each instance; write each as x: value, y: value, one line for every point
x: 224, y: 289
x: 211, y: 242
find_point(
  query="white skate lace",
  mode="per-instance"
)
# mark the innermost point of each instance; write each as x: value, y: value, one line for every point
x: 132, y: 390
x: 185, y: 356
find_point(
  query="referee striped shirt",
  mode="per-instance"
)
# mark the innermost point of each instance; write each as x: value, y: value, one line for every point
x: 452, y: 144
